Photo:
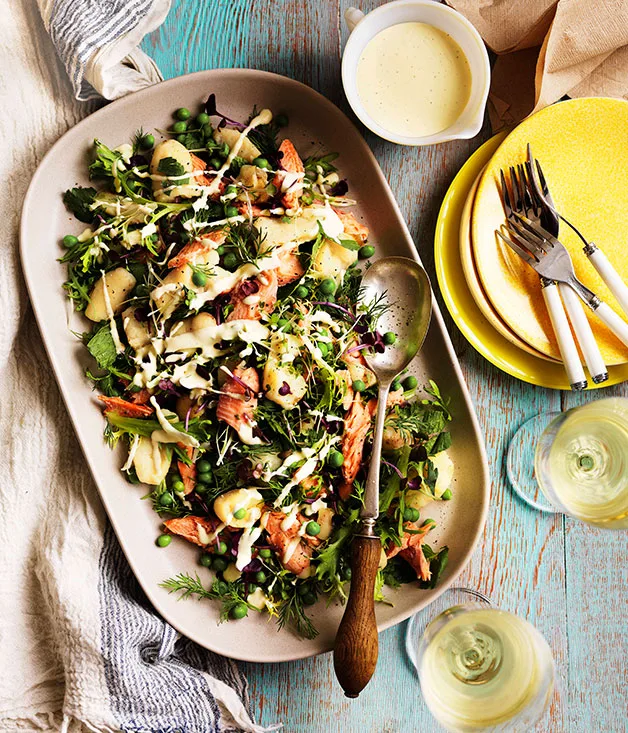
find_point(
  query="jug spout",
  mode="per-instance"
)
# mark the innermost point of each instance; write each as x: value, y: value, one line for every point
x: 352, y: 17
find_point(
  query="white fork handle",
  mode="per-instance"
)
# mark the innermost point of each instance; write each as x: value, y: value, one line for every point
x: 609, y: 274
x: 566, y: 343
x: 584, y: 334
x: 617, y: 325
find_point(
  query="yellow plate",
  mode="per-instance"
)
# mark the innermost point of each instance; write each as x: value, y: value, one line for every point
x: 473, y: 279
x: 582, y: 145
x: 461, y: 304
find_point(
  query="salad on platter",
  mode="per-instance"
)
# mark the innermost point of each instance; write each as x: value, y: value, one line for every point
x: 220, y: 271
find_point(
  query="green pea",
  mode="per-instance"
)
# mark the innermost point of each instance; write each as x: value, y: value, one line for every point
x: 410, y: 514
x: 206, y: 560
x: 180, y: 126
x: 410, y: 382
x: 201, y: 488
x: 429, y: 523
x: 147, y: 141
x: 281, y: 120
x: 204, y: 478
x: 346, y: 574
x: 164, y: 540
x: 365, y: 252
x: 221, y: 548
x: 240, y: 610
x: 215, y: 163
x: 202, y: 119
x: 358, y: 385
x: 309, y: 599
x: 181, y: 139
x: 221, y: 250
x: 199, y: 278
x: 265, y: 553
x: 389, y: 338
x: 239, y: 513
x: 260, y: 577
x: 301, y: 292
x: 395, y: 385
x: 313, y: 528
x: 178, y: 486
x: 166, y: 499
x: 446, y: 495
x: 261, y: 163
x: 219, y: 564
x: 208, y: 131
x: 183, y: 113
x: 70, y: 241
x: 220, y: 587
x: 328, y: 286
x: 324, y: 348
x: 231, y: 189
x: 231, y: 211
x: 203, y: 466
x: 303, y: 590
x: 335, y: 459
x: 230, y: 261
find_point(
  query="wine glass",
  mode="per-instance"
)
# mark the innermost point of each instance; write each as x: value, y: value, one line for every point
x: 575, y: 462
x: 480, y: 668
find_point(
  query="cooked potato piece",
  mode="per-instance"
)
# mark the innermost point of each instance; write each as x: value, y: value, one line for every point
x: 332, y: 260
x: 246, y: 501
x: 325, y: 517
x: 282, y: 384
x: 169, y: 294
x: 172, y: 149
x: 252, y: 177
x: 231, y: 574
x: 119, y: 282
x: 248, y: 150
x: 136, y: 332
x: 442, y: 462
x: 151, y: 461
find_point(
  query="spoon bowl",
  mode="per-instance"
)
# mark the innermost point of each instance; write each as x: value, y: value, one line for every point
x: 403, y: 285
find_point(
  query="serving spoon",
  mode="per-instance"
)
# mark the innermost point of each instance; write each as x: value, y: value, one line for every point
x: 406, y: 289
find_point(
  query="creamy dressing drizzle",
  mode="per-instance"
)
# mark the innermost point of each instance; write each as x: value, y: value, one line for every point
x: 168, y: 433
x: 245, y: 547
x: 110, y: 315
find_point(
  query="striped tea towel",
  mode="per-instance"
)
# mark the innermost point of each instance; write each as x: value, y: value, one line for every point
x: 80, y: 647
x: 97, y: 41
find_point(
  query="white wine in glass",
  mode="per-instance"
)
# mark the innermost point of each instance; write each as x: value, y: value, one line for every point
x: 581, y: 462
x: 482, y: 669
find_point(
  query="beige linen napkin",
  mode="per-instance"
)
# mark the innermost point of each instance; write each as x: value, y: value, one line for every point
x: 548, y: 49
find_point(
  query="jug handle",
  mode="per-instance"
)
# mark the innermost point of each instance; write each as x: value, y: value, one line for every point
x: 352, y: 17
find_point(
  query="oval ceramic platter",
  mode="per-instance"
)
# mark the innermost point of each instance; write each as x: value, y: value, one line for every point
x: 315, y: 124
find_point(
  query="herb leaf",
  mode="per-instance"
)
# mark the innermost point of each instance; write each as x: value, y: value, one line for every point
x: 170, y: 167
x: 102, y: 348
x: 78, y: 200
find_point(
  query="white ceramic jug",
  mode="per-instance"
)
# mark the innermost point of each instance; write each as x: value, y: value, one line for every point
x: 364, y: 27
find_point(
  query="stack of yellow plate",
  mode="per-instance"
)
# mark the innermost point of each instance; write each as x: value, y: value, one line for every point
x: 493, y: 296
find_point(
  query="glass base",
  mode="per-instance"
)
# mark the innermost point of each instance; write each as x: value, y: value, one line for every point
x: 520, y: 461
x: 419, y: 622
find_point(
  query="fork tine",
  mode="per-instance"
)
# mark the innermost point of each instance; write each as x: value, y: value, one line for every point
x: 537, y: 230
x: 517, y: 202
x: 538, y: 178
x: 523, y: 253
x: 535, y: 244
x: 504, y: 194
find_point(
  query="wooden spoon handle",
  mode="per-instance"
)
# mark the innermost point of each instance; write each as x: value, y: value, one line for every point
x: 355, y: 651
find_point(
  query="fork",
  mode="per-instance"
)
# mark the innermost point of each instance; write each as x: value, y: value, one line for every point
x: 597, y: 258
x: 550, y: 258
x: 517, y: 198
x: 544, y: 212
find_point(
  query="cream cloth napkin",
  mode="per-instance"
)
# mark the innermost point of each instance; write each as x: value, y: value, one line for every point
x: 80, y: 647
x: 549, y: 49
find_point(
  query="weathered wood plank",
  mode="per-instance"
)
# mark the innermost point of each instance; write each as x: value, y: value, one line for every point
x: 521, y: 562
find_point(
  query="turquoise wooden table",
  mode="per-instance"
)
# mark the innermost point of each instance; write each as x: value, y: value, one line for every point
x: 569, y: 580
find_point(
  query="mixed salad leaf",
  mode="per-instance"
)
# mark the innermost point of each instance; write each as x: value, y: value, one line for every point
x: 221, y: 274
